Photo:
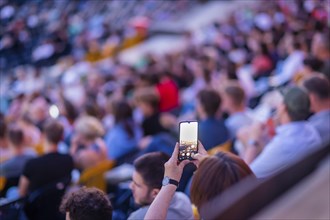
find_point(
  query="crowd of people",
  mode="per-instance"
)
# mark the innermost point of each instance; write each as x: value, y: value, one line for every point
x: 41, y: 32
x: 257, y: 83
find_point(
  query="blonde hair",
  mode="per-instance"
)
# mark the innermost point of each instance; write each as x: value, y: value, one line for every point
x: 90, y: 127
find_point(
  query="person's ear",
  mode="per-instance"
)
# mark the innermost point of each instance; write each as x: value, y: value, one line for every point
x: 154, y: 193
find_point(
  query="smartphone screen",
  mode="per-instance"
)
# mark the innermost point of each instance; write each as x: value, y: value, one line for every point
x: 188, y: 140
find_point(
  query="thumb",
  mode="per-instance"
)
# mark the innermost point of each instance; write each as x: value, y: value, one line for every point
x: 198, y: 156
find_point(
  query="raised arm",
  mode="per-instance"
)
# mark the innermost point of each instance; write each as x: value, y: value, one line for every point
x: 173, y: 170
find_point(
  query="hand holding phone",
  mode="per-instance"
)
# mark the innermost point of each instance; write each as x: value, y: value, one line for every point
x: 188, y: 140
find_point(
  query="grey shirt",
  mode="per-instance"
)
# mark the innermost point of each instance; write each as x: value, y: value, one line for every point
x: 180, y: 208
x: 14, y: 166
x: 321, y: 122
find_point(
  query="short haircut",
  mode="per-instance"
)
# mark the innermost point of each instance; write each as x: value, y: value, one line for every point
x: 53, y: 131
x: 151, y: 167
x: 320, y: 86
x: 235, y: 93
x: 210, y: 101
x: 148, y: 96
x: 15, y: 134
x: 216, y: 174
x: 87, y: 204
x: 297, y: 103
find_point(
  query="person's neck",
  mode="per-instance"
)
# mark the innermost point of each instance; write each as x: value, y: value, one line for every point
x: 50, y: 148
x: 18, y: 150
x: 237, y: 110
x: 322, y: 106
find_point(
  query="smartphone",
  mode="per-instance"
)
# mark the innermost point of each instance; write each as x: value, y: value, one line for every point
x: 188, y: 140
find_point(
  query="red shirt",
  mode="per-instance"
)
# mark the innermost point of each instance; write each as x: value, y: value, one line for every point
x: 169, y: 95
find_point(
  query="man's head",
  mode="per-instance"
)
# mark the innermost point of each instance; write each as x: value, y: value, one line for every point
x: 148, y: 176
x: 15, y: 136
x: 147, y: 99
x: 295, y: 105
x: 318, y: 88
x: 233, y: 98
x: 53, y: 131
x: 209, y: 102
x: 87, y: 204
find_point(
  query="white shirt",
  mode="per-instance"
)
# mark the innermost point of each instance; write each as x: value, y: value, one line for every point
x: 290, y: 66
x: 292, y: 141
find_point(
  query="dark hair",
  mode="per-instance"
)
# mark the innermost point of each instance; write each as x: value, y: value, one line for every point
x: 216, y: 174
x: 15, y: 135
x: 3, y: 126
x: 313, y: 63
x: 71, y: 112
x: 87, y: 204
x: 123, y: 114
x: 53, y: 131
x: 236, y: 94
x: 210, y: 101
x: 151, y: 167
x: 319, y: 86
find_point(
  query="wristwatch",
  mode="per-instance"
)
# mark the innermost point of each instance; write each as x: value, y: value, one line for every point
x: 168, y: 180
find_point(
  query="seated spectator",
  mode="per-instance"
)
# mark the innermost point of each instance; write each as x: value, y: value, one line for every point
x: 294, y: 137
x: 13, y: 167
x: 214, y: 175
x: 87, y: 146
x: 87, y: 204
x: 318, y: 89
x: 147, y: 101
x: 124, y: 136
x: 212, y: 130
x: 234, y: 102
x: 168, y: 93
x: 291, y: 64
x: 311, y: 67
x: 41, y: 172
x: 146, y: 184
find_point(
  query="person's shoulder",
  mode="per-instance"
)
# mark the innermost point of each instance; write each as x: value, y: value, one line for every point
x: 182, y: 197
x: 138, y: 214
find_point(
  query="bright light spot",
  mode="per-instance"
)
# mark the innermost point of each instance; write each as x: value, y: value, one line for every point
x: 53, y: 111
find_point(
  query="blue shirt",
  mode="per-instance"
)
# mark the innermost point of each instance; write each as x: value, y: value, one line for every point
x: 292, y: 141
x: 119, y: 142
x: 321, y: 122
x: 212, y: 132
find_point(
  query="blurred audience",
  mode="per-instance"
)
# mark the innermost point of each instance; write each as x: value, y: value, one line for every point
x: 62, y: 60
